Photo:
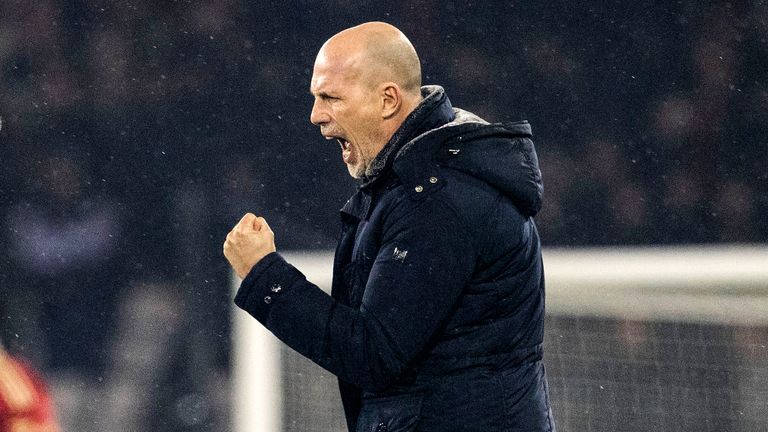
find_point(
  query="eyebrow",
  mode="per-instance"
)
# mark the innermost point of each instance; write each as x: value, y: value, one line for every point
x: 322, y: 94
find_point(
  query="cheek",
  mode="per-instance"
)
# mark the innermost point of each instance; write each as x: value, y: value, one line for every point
x: 346, y: 117
x: 367, y: 121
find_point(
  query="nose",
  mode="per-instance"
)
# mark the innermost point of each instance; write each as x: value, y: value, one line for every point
x: 318, y: 116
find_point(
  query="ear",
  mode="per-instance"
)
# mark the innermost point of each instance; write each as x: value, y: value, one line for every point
x: 391, y: 99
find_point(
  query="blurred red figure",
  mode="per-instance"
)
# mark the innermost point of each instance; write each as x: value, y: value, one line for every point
x: 25, y: 405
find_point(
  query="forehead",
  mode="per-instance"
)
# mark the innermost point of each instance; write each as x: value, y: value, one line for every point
x: 334, y: 72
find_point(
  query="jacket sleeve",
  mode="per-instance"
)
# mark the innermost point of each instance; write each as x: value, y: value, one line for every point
x: 424, y: 262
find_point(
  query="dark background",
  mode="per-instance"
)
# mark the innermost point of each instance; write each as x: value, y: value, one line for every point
x: 136, y: 133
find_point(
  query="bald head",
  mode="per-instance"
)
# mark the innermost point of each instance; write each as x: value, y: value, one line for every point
x: 374, y: 52
x: 366, y: 81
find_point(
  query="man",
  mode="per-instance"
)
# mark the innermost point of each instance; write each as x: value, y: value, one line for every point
x: 435, y: 322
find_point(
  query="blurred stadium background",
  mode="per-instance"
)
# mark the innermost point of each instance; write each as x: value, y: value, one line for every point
x: 136, y: 133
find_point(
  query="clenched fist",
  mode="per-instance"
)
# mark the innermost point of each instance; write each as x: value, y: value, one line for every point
x: 248, y: 242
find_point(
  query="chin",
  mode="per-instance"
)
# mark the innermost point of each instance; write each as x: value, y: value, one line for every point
x: 356, y: 171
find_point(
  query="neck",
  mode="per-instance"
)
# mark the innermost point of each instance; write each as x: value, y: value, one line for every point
x: 432, y: 110
x: 394, y: 123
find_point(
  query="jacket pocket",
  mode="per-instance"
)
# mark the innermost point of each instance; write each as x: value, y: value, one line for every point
x: 399, y: 413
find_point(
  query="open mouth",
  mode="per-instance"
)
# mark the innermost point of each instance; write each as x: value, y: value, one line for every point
x: 343, y: 143
x: 346, y: 150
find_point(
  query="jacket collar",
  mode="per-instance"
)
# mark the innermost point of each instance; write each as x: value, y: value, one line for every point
x: 434, y: 111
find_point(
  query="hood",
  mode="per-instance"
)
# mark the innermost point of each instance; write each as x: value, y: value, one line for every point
x: 500, y: 154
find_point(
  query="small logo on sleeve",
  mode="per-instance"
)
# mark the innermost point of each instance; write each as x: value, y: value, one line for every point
x: 399, y: 254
